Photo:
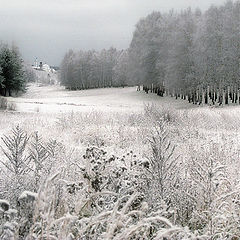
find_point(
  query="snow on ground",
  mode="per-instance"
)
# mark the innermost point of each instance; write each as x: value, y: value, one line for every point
x: 41, y: 106
x: 109, y: 112
x: 55, y: 99
x: 111, y: 119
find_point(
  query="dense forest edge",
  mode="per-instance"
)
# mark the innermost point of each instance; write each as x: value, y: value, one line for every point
x: 192, y: 55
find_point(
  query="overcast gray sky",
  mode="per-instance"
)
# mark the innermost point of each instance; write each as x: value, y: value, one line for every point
x: 48, y: 28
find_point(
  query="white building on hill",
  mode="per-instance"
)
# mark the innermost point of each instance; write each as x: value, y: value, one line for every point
x: 46, y: 68
x: 42, y: 67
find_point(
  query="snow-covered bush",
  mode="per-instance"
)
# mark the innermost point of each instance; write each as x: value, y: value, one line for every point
x: 27, y: 162
x: 216, y: 199
x: 3, y: 103
x: 101, y: 215
x: 25, y: 207
x: 16, y: 160
x: 8, y: 223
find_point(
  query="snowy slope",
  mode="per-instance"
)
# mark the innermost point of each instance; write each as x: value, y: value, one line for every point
x: 57, y: 99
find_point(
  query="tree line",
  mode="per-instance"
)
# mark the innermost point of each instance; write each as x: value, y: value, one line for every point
x: 183, y: 52
x: 92, y: 69
x: 194, y: 55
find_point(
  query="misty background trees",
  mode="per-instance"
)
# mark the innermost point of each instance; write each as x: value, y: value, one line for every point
x: 187, y: 50
x: 184, y: 52
x: 189, y: 53
x: 92, y: 69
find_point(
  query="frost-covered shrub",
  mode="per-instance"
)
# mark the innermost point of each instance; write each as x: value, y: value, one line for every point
x: 8, y: 221
x: 3, y: 103
x: 47, y: 223
x: 154, y: 113
x: 125, y: 218
x: 16, y: 160
x: 11, y: 106
x: 216, y: 209
x: 14, y: 151
x: 27, y: 162
x: 125, y: 221
x: 25, y: 207
x: 4, y: 205
x: 108, y: 201
x: 43, y: 156
x: 15, y: 224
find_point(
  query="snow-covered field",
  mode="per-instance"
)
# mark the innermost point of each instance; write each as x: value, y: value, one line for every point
x: 82, y: 118
x: 46, y: 106
x: 130, y: 128
x: 55, y: 99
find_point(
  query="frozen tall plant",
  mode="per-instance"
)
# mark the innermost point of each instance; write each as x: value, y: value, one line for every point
x: 14, y: 151
x: 47, y: 224
x: 16, y: 161
x: 211, y: 190
x: 162, y: 162
x: 38, y: 153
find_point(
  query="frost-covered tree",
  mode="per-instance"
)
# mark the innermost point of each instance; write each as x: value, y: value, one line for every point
x: 120, y: 77
x: 231, y: 42
x: 1, y: 79
x: 67, y: 70
x: 89, y: 69
x: 11, y: 70
x: 209, y: 56
x: 29, y: 74
x: 145, y: 48
x: 183, y: 52
x: 181, y: 67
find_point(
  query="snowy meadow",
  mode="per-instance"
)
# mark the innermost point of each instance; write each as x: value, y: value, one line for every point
x: 132, y: 167
x: 134, y: 134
